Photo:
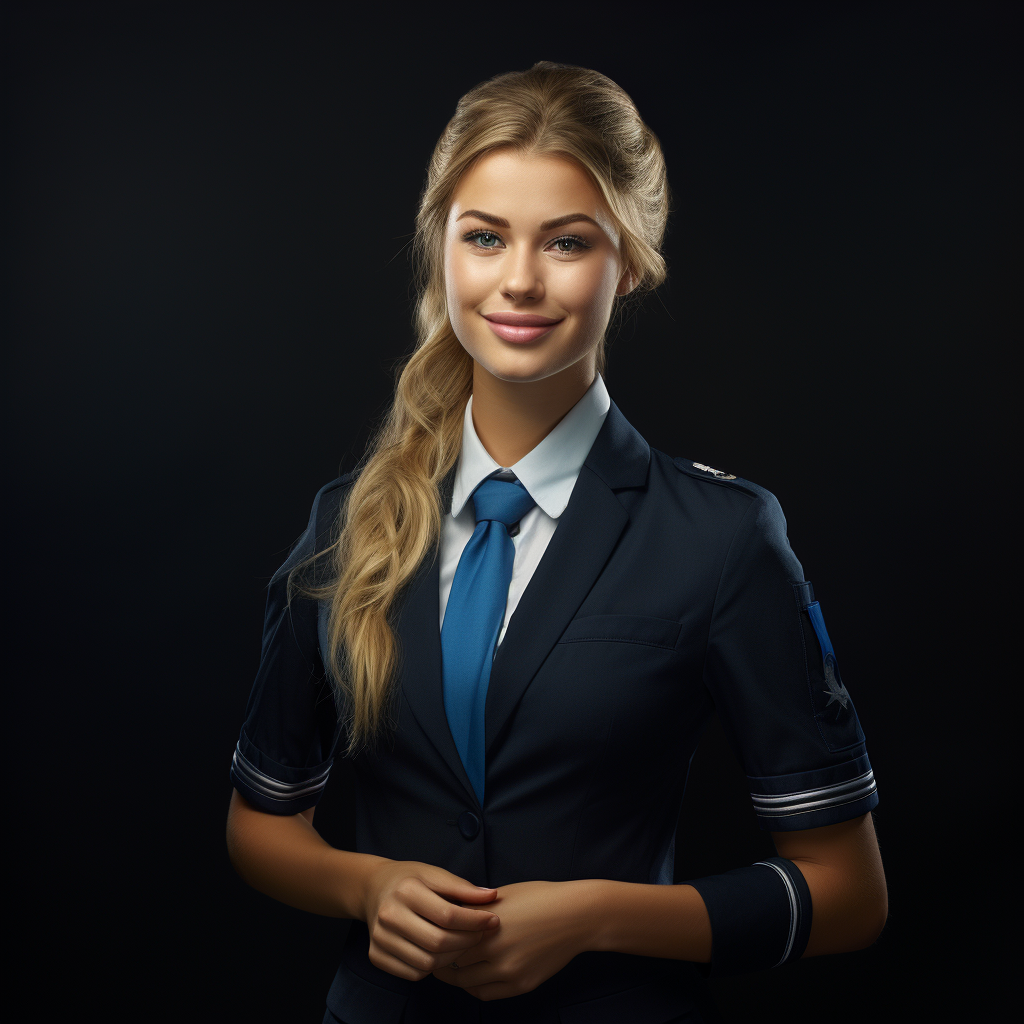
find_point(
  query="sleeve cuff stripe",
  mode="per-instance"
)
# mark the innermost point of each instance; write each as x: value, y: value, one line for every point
x: 841, y: 792
x: 794, y: 908
x: 272, y: 788
x: 820, y: 805
x: 801, y: 807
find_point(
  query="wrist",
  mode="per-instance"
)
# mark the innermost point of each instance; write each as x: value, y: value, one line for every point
x: 647, y: 920
x: 357, y: 874
x: 594, y: 933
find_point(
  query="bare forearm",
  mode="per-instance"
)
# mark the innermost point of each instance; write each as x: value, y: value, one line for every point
x: 671, y: 920
x: 286, y: 858
x: 649, y: 920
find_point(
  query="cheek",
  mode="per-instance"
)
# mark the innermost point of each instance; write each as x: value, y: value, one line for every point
x: 588, y: 291
x: 464, y: 293
x: 465, y: 278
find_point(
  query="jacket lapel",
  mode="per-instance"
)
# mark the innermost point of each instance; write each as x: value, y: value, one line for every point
x: 419, y: 631
x: 587, y: 532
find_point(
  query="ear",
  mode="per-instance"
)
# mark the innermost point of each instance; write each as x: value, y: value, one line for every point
x: 626, y: 283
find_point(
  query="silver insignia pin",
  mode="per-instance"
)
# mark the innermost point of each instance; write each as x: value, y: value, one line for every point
x: 715, y: 472
x: 836, y: 690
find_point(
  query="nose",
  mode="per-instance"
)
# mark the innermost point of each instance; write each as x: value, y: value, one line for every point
x: 521, y: 274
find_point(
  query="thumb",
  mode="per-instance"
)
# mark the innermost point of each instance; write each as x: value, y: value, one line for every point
x: 476, y: 892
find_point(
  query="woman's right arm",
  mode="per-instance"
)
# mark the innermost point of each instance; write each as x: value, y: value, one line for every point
x: 412, y: 909
x: 285, y: 858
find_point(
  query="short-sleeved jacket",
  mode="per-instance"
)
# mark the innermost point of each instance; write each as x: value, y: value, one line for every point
x: 668, y: 590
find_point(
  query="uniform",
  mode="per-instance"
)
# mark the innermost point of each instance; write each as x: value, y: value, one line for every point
x: 668, y: 590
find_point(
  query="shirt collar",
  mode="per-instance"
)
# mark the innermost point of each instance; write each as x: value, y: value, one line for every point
x: 550, y: 470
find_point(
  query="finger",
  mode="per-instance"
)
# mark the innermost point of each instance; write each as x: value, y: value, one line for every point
x: 447, y: 915
x: 443, y: 944
x: 459, y: 889
x: 456, y: 889
x: 415, y: 956
x: 386, y: 961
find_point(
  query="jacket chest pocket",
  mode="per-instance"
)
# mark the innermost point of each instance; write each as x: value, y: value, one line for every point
x: 626, y: 672
x: 640, y: 630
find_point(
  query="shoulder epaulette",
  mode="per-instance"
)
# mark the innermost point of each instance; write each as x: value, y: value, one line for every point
x: 701, y: 472
x: 719, y: 474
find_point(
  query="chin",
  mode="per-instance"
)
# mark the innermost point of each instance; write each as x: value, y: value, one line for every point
x: 515, y: 371
x: 513, y: 363
x: 524, y: 367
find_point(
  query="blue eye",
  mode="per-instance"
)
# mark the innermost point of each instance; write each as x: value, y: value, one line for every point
x: 575, y: 239
x: 579, y: 244
x: 481, y: 234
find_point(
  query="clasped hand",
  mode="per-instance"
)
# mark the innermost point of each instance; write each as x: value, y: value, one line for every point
x: 423, y: 918
x: 542, y: 928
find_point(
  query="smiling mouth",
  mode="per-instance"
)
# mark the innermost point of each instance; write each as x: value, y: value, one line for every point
x: 520, y: 332
x: 522, y: 319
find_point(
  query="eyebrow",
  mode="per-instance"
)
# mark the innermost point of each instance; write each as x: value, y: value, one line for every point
x: 569, y: 218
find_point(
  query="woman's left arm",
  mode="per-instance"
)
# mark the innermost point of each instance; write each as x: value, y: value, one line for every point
x: 840, y: 863
x: 543, y: 925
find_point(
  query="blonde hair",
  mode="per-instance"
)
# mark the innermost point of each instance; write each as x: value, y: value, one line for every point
x: 391, y: 517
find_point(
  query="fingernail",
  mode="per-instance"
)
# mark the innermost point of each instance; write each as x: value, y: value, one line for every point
x: 493, y: 921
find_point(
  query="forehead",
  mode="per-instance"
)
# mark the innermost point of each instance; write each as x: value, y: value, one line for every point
x: 527, y: 190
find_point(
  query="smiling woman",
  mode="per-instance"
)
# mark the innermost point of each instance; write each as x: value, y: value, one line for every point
x: 530, y: 274
x: 506, y: 291
x: 526, y: 615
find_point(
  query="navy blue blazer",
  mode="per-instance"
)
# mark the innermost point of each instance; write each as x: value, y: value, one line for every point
x: 668, y: 590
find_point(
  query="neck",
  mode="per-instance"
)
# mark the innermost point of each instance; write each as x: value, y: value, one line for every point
x: 512, y: 417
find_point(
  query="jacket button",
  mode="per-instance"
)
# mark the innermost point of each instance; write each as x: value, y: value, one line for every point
x: 469, y: 824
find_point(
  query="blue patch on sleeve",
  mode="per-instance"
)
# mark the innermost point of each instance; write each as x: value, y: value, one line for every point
x: 837, y: 692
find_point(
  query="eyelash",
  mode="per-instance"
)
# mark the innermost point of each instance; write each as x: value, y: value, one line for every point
x: 582, y: 242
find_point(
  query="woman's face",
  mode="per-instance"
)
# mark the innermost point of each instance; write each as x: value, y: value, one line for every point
x: 501, y: 258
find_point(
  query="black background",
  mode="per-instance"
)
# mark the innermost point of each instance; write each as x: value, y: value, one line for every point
x: 208, y: 284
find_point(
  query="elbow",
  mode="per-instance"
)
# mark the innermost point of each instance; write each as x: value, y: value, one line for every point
x: 235, y: 836
x: 849, y: 933
x: 243, y: 858
x: 881, y: 905
x: 871, y: 923
x: 881, y: 916
x: 232, y: 847
x: 848, y: 917
x: 868, y: 935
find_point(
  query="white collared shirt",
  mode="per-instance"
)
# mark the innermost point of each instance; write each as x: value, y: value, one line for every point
x: 548, y: 472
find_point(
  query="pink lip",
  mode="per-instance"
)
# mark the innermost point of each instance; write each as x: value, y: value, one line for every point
x: 523, y: 319
x: 520, y: 327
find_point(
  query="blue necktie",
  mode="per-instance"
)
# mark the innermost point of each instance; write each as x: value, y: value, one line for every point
x: 473, y: 617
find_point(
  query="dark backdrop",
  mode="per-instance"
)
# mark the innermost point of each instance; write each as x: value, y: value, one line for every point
x: 210, y: 208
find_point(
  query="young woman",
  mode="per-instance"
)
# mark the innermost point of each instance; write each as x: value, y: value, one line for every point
x: 526, y: 616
